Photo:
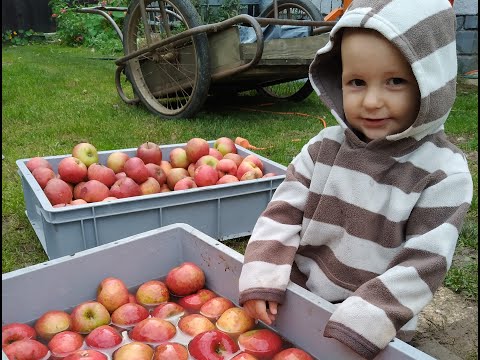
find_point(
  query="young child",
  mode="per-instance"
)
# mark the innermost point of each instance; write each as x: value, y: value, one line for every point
x: 370, y: 210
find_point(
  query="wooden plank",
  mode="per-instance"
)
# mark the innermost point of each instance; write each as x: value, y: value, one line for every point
x: 224, y: 49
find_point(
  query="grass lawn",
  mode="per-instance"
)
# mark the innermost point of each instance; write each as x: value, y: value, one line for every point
x: 55, y: 97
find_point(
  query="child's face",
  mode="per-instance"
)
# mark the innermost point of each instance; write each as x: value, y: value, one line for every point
x: 380, y: 93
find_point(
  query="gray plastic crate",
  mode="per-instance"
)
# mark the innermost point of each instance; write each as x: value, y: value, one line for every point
x: 223, y: 211
x: 65, y: 282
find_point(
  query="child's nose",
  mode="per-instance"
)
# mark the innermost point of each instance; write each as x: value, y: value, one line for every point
x: 373, y: 98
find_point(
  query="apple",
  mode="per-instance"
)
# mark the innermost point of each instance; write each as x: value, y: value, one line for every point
x: 58, y: 191
x: 244, y: 356
x: 103, y: 337
x: 170, y: 351
x: 164, y: 188
x: 226, y: 166
x: 42, y: 175
x: 212, y: 345
x: 135, y: 169
x: 133, y: 351
x: 79, y: 202
x: 37, y: 162
x: 237, y: 158
x: 225, y: 145
x: 196, y: 148
x: 110, y: 198
x: 28, y: 349
x: 270, y: 174
x: 52, y: 322
x: 191, y: 169
x: 86, y: 354
x: 77, y: 189
x: 178, y: 158
x: 261, y: 343
x: 88, y: 316
x: 207, y: 160
x: 185, y: 183
x: 235, y: 321
x: 131, y: 298
x: 152, y: 293
x: 215, y: 307
x: 166, y: 166
x: 225, y: 179
x: 101, y: 173
x: 86, y: 153
x: 150, y: 153
x: 205, y: 175
x: 185, y: 279
x: 17, y: 331
x: 168, y: 310
x: 215, y: 153
x: 125, y: 187
x: 112, y: 293
x: 194, y: 302
x: 60, y: 205
x: 120, y: 175
x: 116, y: 161
x: 292, y: 354
x: 174, y: 175
x: 251, y: 175
x: 64, y: 343
x: 129, y: 314
x: 157, y: 173
x: 247, y: 166
x: 194, y: 324
x: 150, y: 186
x: 255, y: 159
x: 93, y: 191
x: 153, y: 330
x: 72, y: 170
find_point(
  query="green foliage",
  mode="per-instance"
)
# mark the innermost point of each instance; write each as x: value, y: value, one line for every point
x: 212, y: 14
x: 19, y: 37
x: 464, y: 280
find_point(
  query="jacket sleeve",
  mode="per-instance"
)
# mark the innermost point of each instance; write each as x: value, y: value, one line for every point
x: 370, y: 318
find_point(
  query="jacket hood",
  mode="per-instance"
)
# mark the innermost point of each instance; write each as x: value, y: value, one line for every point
x: 423, y: 31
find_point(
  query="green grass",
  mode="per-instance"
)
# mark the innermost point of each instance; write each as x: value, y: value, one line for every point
x: 55, y: 97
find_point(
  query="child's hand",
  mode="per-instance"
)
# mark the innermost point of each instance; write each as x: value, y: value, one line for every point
x: 258, y: 310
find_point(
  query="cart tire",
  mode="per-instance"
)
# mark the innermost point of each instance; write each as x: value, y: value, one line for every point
x: 171, y: 81
x: 297, y: 90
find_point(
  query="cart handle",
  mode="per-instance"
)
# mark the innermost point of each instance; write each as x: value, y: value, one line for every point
x: 100, y: 10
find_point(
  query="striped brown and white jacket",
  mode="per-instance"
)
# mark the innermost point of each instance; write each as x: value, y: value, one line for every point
x: 371, y: 225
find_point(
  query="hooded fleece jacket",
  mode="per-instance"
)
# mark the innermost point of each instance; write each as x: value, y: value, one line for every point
x: 372, y: 225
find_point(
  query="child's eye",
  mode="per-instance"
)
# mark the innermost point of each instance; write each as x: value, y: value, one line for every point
x: 357, y: 82
x: 396, y: 81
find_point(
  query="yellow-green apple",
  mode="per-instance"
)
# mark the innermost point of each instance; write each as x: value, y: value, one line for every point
x: 196, y: 148
x: 185, y: 279
x: 101, y: 173
x: 207, y: 160
x: 248, y: 166
x: 178, y: 158
x: 157, y: 173
x: 103, y: 337
x: 215, y: 153
x: 212, y: 345
x: 77, y: 189
x: 194, y: 324
x: 244, y: 356
x: 164, y: 188
x: 261, y: 343
x: 93, y: 191
x: 42, y: 175
x: 185, y: 183
x: 150, y: 186
x: 112, y: 293
x: 135, y: 169
x: 235, y: 321
x: 174, y: 175
x: 205, y: 175
x: 270, y: 174
x: 166, y: 166
x: 225, y: 179
x: 215, y: 307
x: 292, y: 354
x: 251, y: 175
x: 191, y: 169
x: 26, y: 349
x: 116, y: 161
x: 64, y: 343
x: 225, y: 145
x: 152, y: 293
x: 17, y: 331
x: 52, y: 322
x: 193, y: 302
x: 120, y: 175
x: 86, y: 153
x: 170, y: 351
x: 150, y: 153
x: 109, y: 198
x: 133, y: 351
x: 36, y: 162
x: 153, y: 330
x: 80, y: 202
x: 255, y: 159
x: 226, y: 166
x: 125, y: 187
x: 168, y: 310
x: 235, y: 157
x: 89, y: 315
x: 72, y: 170
x: 58, y: 191
x: 86, y: 354
x: 129, y: 314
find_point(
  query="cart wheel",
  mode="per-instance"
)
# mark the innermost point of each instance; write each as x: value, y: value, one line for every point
x: 171, y: 81
x: 296, y: 90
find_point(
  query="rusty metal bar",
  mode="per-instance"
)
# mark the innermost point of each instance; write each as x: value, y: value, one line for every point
x: 267, y: 21
x: 101, y: 12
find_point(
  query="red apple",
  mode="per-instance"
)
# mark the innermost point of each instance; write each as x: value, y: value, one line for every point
x: 261, y: 343
x: 235, y: 321
x: 27, y: 349
x: 133, y: 351
x: 251, y: 175
x: 212, y: 345
x: 185, y: 279
x: 244, y: 356
x: 194, y: 302
x: 170, y: 351
x: 58, y: 192
x: 43, y: 175
x: 207, y: 160
x: 157, y: 173
x: 196, y: 148
x: 166, y: 166
x: 194, y: 324
x: 225, y: 179
x: 152, y: 293
x: 88, y: 316
x: 150, y: 153
x: 191, y: 169
x: 255, y: 159
x: 215, y: 307
x: 131, y: 298
x: 112, y: 293
x: 101, y: 173
x: 168, y: 310
x: 64, y: 343
x: 237, y: 158
x: 116, y: 161
x: 17, y: 331
x: 174, y: 175
x: 292, y: 354
x: 215, y: 153
x: 86, y: 153
x: 93, y: 191
x: 185, y: 183
x: 52, y: 322
x: 164, y: 188
x: 124, y: 188
x: 178, y: 158
x: 247, y: 166
x: 205, y: 175
x: 150, y: 186
x: 80, y: 202
x: 153, y: 330
x: 72, y: 170
x: 225, y: 145
x: 37, y: 162
x: 226, y: 166
x: 129, y: 314
x: 121, y: 175
x: 135, y: 169
x: 77, y: 189
x: 87, y: 354
x: 103, y: 337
